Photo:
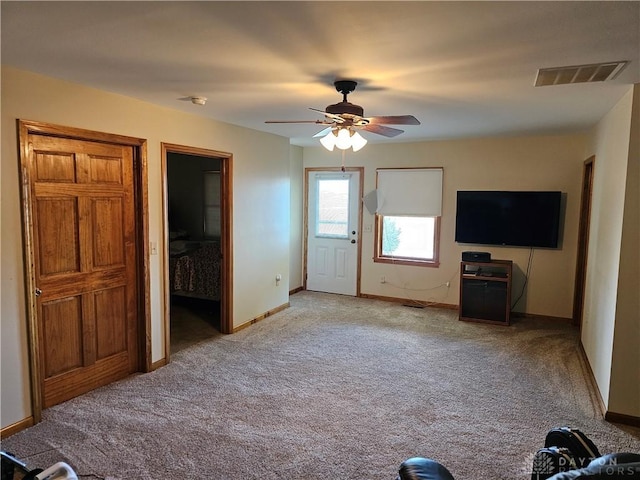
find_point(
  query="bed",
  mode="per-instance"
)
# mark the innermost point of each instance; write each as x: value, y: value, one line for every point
x: 194, y: 269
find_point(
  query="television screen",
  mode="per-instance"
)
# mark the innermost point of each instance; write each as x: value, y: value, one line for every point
x: 522, y: 219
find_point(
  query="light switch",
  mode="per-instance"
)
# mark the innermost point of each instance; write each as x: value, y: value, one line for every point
x: 153, y: 247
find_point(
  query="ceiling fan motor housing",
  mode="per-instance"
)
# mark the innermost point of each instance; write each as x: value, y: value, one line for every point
x: 345, y: 87
x: 345, y: 107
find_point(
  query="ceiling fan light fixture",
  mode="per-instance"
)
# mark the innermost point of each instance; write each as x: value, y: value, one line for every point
x: 343, y: 138
x: 345, y: 118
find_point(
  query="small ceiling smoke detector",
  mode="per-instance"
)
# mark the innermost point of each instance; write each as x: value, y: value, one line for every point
x: 595, y: 72
x: 198, y: 100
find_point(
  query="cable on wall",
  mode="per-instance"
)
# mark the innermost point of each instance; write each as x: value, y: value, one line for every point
x: 526, y: 278
x: 420, y: 303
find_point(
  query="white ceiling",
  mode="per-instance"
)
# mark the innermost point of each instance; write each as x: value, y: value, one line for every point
x: 462, y: 68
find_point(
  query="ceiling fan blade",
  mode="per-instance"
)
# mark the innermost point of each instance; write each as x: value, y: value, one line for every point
x: 394, y: 120
x: 321, y: 122
x: 335, y: 117
x: 382, y: 130
x: 323, y: 133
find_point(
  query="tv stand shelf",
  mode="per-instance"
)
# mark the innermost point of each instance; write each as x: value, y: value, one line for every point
x: 485, y: 291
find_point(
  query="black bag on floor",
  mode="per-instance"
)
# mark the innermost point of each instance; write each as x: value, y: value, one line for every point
x: 582, y: 448
x: 11, y: 468
x: 551, y: 460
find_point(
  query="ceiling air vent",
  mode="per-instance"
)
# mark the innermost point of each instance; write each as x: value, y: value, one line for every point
x: 597, y: 72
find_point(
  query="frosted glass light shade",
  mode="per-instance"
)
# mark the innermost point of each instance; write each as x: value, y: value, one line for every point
x: 357, y: 141
x: 328, y: 141
x: 344, y: 139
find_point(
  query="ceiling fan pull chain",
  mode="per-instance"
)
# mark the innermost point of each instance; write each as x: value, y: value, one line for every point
x: 343, y: 169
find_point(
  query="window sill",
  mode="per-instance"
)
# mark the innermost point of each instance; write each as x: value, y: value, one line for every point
x: 407, y: 261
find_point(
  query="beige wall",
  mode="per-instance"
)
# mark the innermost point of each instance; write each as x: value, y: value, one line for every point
x: 523, y: 163
x: 261, y: 205
x: 609, y: 142
x: 625, y: 369
x: 611, y: 324
x: 297, y: 202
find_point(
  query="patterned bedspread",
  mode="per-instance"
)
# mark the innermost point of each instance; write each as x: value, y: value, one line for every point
x: 197, y: 273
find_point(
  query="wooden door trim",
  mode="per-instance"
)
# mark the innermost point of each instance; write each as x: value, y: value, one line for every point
x: 305, y: 219
x: 29, y: 127
x: 226, y: 238
x: 583, y: 239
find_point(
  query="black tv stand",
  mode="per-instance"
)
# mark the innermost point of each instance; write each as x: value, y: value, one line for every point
x: 485, y: 291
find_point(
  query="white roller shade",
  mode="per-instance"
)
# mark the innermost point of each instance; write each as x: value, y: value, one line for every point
x: 415, y: 192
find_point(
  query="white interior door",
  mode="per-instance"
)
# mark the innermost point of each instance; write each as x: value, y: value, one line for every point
x: 332, y: 239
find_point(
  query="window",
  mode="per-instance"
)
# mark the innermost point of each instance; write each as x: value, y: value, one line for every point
x: 408, y: 216
x: 332, y: 203
x: 409, y: 240
x: 211, y: 204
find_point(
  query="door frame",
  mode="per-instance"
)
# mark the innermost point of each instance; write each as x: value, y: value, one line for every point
x: 583, y: 240
x: 305, y: 220
x: 139, y: 145
x: 226, y: 237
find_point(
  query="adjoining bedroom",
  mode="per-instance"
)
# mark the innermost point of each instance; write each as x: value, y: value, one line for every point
x: 193, y: 193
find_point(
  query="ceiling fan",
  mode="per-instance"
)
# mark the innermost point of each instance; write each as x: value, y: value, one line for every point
x: 344, y: 119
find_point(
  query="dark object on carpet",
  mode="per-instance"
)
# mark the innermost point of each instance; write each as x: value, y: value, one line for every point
x: 558, y: 460
x: 13, y: 469
x: 622, y: 466
x: 581, y: 446
x: 423, y: 469
x: 550, y: 460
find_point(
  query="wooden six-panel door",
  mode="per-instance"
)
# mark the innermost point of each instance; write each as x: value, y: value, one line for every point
x: 84, y: 253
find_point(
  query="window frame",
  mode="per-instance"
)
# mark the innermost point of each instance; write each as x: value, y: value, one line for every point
x: 378, y: 256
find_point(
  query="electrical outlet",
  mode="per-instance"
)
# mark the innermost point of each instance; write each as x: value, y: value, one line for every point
x: 448, y: 284
x: 382, y: 279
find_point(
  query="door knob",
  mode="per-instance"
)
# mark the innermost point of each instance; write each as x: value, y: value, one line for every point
x: 38, y: 292
x: 353, y: 241
x: 353, y: 232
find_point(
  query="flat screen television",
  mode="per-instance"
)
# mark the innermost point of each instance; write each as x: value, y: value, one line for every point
x: 518, y: 218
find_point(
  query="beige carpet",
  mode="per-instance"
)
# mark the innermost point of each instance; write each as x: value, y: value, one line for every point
x: 334, y: 388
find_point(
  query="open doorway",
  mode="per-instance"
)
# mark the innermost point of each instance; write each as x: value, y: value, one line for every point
x: 583, y: 240
x: 197, y: 225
